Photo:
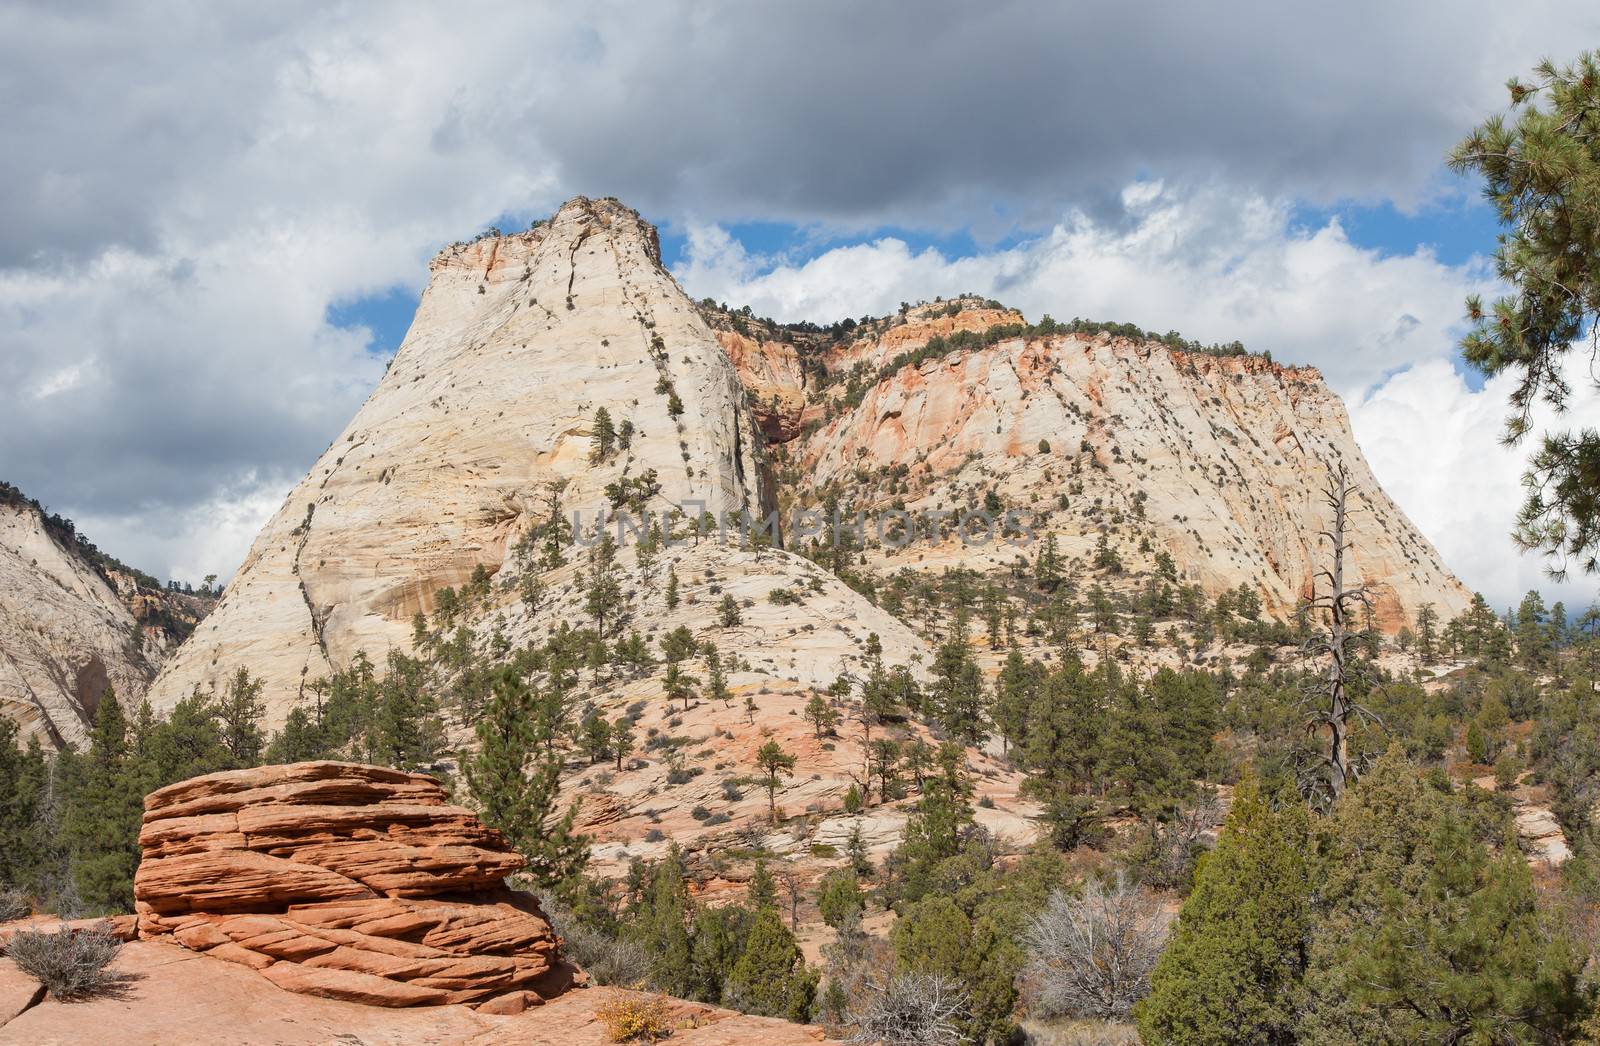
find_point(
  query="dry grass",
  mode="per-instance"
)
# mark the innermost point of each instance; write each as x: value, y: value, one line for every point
x: 70, y: 965
x: 636, y: 1019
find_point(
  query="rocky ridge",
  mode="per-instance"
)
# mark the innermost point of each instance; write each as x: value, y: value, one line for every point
x: 1217, y: 460
x: 65, y: 634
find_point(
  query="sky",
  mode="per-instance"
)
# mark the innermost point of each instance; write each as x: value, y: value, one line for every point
x: 217, y: 220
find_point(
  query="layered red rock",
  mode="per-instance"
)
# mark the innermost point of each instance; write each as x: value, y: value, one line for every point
x: 345, y: 881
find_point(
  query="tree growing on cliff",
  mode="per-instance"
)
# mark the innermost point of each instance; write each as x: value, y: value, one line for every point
x: 603, y: 588
x: 602, y: 437
x: 776, y: 764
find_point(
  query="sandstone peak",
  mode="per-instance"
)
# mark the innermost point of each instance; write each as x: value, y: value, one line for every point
x: 345, y: 881
x: 481, y: 427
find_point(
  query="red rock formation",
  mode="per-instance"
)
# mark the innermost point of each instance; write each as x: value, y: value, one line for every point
x: 345, y: 881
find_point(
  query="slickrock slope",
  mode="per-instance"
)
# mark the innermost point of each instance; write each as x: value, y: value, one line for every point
x: 517, y: 341
x: 176, y: 997
x: 65, y: 634
x: 345, y: 881
x: 1217, y: 460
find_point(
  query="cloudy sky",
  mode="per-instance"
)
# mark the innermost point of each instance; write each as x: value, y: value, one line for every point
x: 216, y: 222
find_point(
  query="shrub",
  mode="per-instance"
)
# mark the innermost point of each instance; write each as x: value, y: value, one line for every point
x: 699, y: 813
x: 638, y: 1019
x: 70, y: 965
x: 1092, y: 956
x: 925, y: 1009
x: 13, y: 905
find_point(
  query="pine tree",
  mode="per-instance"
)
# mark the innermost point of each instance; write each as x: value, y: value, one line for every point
x: 716, y: 677
x: 839, y: 897
x: 103, y: 812
x: 408, y: 730
x: 1532, y: 635
x: 1427, y: 624
x: 762, y: 890
x: 603, y: 436
x: 672, y: 589
x: 1541, y: 169
x: 716, y: 941
x: 603, y: 592
x: 679, y: 685
x: 776, y: 764
x: 516, y: 779
x: 820, y: 715
x: 621, y: 738
x: 1233, y: 965
x: 241, y: 711
x: 22, y: 781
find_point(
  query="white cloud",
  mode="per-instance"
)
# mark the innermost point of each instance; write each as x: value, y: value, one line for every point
x: 1435, y: 446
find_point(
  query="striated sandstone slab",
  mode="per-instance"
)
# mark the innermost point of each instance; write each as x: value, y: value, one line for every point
x: 391, y: 898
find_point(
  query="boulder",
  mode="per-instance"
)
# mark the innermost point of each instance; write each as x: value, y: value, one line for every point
x: 348, y: 882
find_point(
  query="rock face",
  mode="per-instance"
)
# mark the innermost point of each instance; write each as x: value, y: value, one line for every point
x: 1219, y: 461
x: 65, y: 634
x: 492, y: 397
x: 345, y: 881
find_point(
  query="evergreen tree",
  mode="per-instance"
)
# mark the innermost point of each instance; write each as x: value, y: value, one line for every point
x: 241, y: 711
x: 103, y: 811
x: 408, y: 731
x: 672, y: 589
x: 621, y: 738
x: 1428, y: 937
x: 23, y: 775
x: 762, y: 890
x: 603, y: 589
x: 678, y: 684
x: 958, y: 687
x: 1540, y: 165
x: 716, y: 677
x: 663, y: 928
x: 715, y: 944
x: 839, y: 897
x: 516, y: 779
x: 1232, y: 968
x: 821, y: 715
x: 602, y: 436
x: 776, y: 764
x: 770, y: 977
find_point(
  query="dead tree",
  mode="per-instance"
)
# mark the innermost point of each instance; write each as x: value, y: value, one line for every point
x: 1336, y: 710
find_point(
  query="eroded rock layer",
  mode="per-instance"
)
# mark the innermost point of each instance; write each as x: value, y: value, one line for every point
x: 345, y: 881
